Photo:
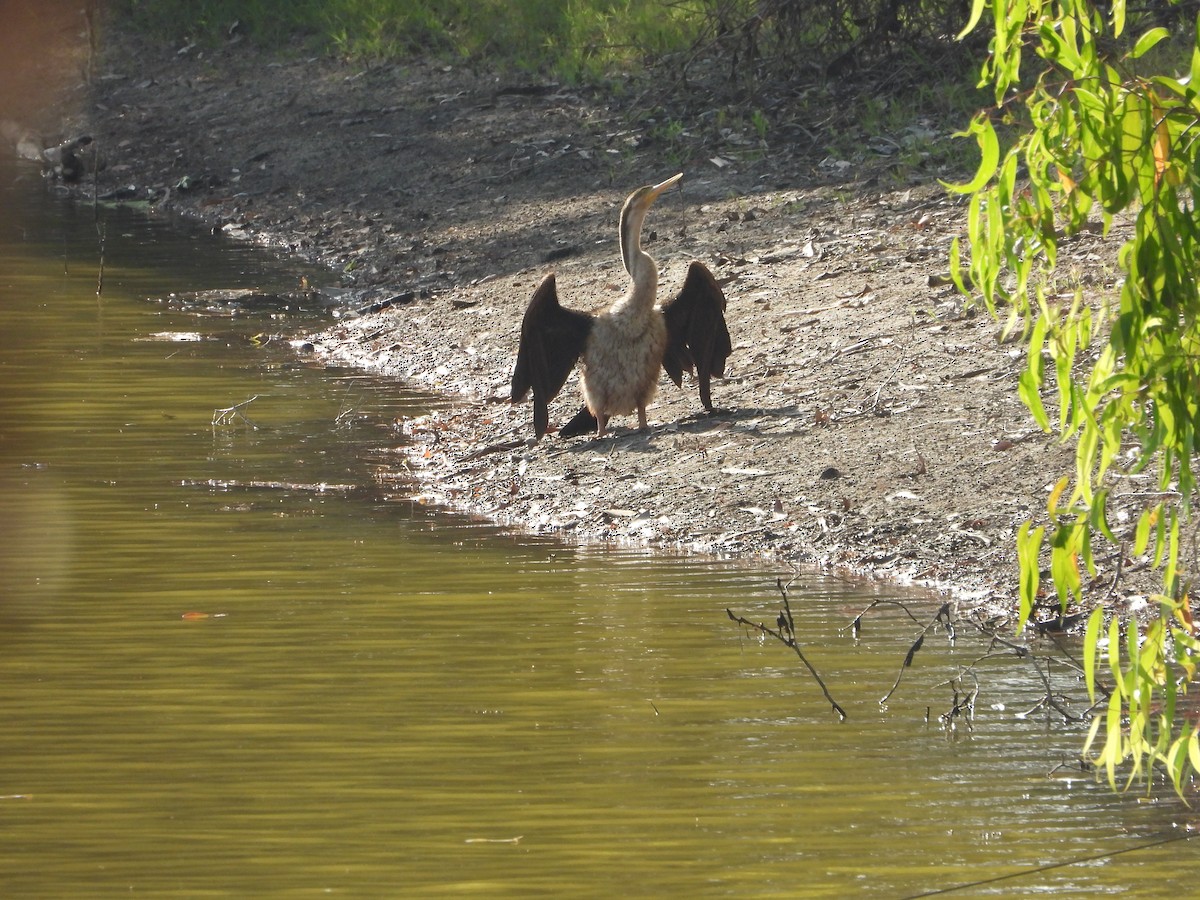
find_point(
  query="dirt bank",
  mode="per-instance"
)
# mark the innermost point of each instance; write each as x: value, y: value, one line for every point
x: 867, y: 422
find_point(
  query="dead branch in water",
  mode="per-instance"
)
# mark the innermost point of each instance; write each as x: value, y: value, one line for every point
x: 785, y: 633
x: 942, y: 618
x: 963, y: 703
x: 230, y: 414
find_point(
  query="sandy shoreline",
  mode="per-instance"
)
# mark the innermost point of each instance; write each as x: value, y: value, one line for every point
x: 868, y: 423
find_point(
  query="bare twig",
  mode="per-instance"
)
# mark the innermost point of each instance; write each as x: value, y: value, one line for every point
x: 101, y: 234
x: 856, y: 625
x: 785, y: 633
x: 884, y: 383
x: 943, y: 618
x: 1049, y: 699
x: 963, y: 704
x: 230, y: 414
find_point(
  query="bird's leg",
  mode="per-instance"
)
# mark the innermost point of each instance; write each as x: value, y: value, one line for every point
x: 642, y: 423
x: 601, y: 424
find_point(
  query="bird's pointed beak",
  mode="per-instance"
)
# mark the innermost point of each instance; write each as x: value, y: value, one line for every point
x: 662, y: 186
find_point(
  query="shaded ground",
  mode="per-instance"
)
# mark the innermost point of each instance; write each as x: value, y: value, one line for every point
x: 868, y: 423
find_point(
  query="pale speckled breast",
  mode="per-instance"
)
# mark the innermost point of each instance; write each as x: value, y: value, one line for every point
x: 621, y: 362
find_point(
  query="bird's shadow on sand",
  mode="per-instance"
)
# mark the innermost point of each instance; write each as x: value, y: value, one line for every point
x: 734, y: 421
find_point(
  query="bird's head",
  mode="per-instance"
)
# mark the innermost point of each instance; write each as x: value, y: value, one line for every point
x: 643, y: 198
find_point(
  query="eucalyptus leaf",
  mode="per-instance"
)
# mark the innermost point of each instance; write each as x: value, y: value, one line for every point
x: 1148, y: 42
x: 1090, y: 638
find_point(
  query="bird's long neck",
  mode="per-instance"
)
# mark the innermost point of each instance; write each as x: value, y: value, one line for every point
x: 642, y: 269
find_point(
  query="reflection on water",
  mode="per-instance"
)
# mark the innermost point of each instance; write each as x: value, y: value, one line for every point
x: 212, y: 687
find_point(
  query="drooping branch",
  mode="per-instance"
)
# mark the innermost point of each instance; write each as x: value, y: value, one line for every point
x: 944, y: 618
x: 785, y: 633
x: 1050, y: 699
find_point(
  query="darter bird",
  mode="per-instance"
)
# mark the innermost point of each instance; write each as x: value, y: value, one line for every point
x: 623, y: 347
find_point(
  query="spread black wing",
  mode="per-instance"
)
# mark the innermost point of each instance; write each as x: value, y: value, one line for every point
x: 552, y: 339
x: 697, y: 339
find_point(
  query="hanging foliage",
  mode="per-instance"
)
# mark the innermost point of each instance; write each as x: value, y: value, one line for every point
x: 1097, y: 133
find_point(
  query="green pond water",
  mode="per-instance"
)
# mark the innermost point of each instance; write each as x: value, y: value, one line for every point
x: 215, y: 687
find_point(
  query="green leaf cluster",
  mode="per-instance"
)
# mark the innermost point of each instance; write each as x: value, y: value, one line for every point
x: 1094, y: 137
